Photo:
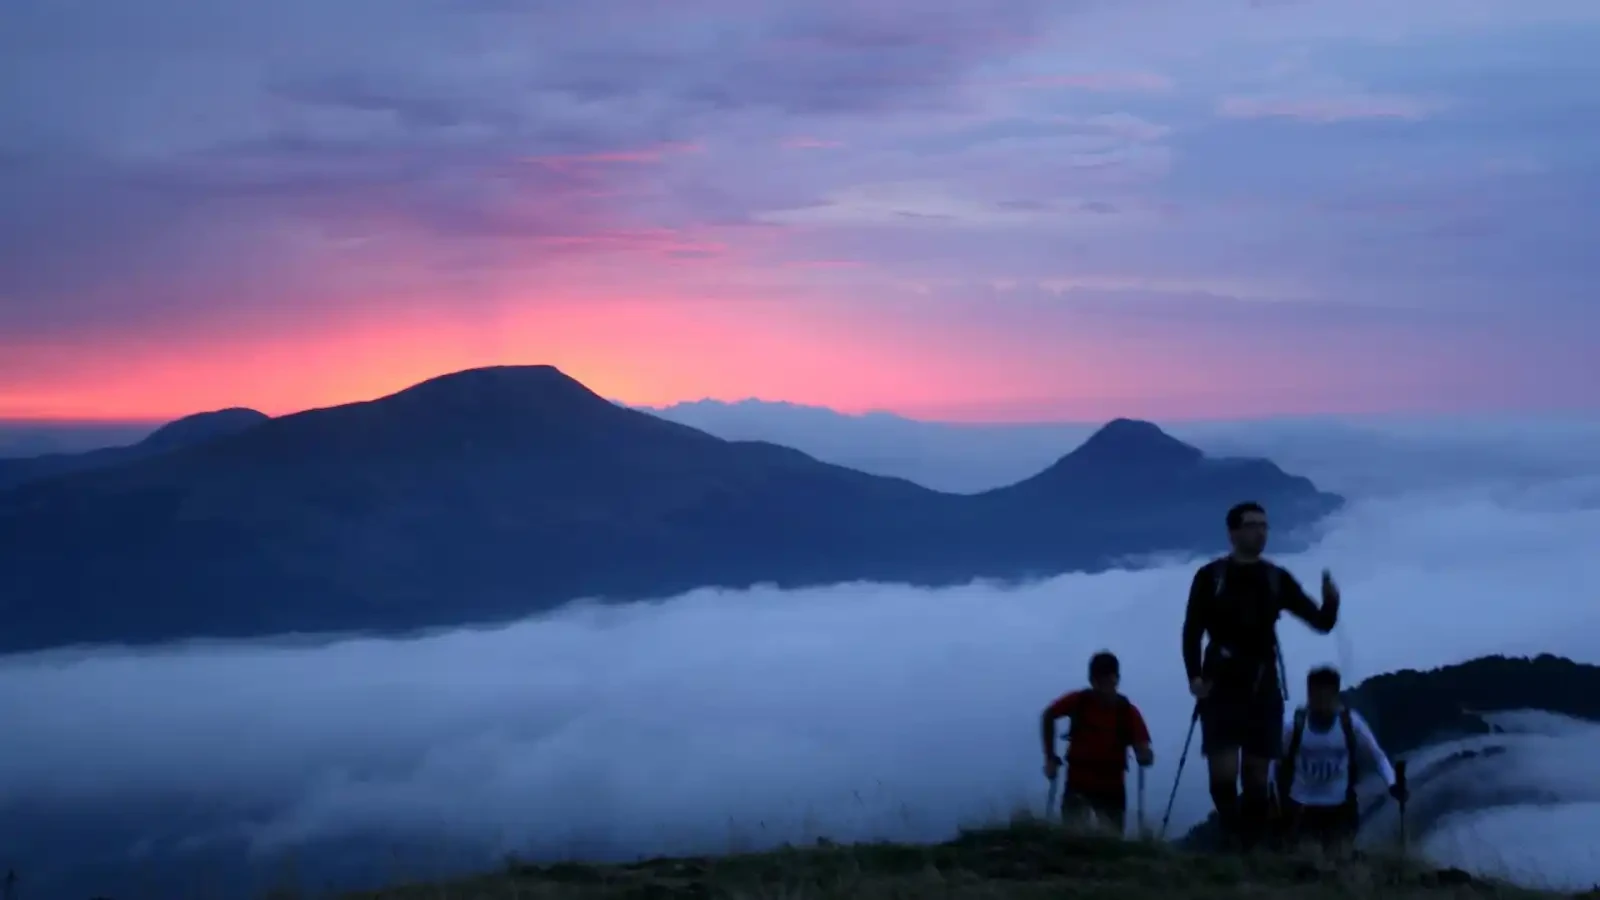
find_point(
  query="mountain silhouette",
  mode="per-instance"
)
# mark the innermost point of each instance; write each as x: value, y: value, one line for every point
x: 201, y: 427
x: 184, y: 432
x: 1130, y: 443
x: 960, y: 457
x: 495, y: 493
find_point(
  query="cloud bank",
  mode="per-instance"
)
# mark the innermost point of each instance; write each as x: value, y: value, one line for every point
x: 726, y: 719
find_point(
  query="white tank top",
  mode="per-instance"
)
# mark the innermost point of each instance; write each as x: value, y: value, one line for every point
x: 1322, y: 765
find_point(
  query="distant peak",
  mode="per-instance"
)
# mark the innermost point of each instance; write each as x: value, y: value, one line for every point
x: 502, y: 375
x: 1130, y: 430
x: 202, y: 427
x: 1135, y: 442
x: 524, y: 380
x: 503, y: 388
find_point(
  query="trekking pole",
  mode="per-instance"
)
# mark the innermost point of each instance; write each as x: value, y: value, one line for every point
x: 1050, y: 798
x: 1144, y: 829
x: 1400, y: 782
x: 1177, y: 778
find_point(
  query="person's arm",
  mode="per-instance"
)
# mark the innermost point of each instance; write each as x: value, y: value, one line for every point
x: 1293, y: 600
x: 1194, y: 622
x: 1060, y: 709
x: 1367, y: 743
x: 1142, y: 754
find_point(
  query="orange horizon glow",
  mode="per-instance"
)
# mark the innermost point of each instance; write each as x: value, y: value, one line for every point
x: 640, y: 353
x: 644, y: 352
x: 659, y: 348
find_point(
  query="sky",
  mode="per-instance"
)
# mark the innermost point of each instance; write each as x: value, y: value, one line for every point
x: 965, y: 209
x: 731, y: 719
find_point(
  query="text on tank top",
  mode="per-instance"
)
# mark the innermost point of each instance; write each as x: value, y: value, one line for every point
x: 1322, y: 767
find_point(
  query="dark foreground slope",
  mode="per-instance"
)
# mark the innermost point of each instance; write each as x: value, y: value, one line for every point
x: 1027, y: 861
x: 185, y: 432
x: 496, y: 493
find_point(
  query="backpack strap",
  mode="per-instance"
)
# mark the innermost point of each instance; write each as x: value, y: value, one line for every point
x: 1291, y: 756
x: 1274, y: 582
x: 1348, y: 725
x: 1219, y: 577
x: 1077, y: 711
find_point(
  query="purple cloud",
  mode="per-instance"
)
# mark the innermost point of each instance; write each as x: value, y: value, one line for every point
x: 1327, y: 109
x: 1107, y: 82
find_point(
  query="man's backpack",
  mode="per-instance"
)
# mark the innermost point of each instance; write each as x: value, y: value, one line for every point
x: 1291, y: 755
x: 1219, y: 581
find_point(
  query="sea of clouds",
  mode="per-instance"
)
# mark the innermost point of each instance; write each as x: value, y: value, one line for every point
x: 734, y: 719
x: 1524, y: 808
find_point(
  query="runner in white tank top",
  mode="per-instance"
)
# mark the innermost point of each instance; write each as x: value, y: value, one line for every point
x: 1321, y: 770
x: 1327, y: 747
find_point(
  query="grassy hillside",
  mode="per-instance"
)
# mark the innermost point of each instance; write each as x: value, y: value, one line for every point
x: 1022, y: 861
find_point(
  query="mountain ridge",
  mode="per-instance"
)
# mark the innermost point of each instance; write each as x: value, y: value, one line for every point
x: 175, y: 435
x: 744, y: 404
x: 492, y: 494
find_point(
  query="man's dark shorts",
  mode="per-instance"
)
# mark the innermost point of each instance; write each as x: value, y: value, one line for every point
x: 1108, y: 804
x: 1252, y: 722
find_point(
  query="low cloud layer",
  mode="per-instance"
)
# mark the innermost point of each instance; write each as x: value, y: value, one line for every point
x: 1551, y: 845
x: 728, y: 719
x: 1516, y: 804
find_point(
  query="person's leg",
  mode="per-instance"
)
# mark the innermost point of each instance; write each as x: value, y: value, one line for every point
x: 1261, y: 743
x: 1072, y: 807
x: 1313, y: 828
x: 1219, y: 742
x: 1116, y: 821
x: 1277, y: 819
x: 1293, y: 824
x: 1332, y: 832
x: 1111, y: 807
x: 1222, y: 765
x: 1255, y: 803
x: 1077, y: 810
x: 1342, y: 829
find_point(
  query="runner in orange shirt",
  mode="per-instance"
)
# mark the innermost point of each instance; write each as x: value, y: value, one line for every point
x: 1104, y: 724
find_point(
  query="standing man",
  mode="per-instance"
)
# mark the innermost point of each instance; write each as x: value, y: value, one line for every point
x: 1237, y: 679
x: 1104, y: 725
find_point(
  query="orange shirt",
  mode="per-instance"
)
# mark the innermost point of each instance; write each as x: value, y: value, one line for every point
x: 1097, y: 752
